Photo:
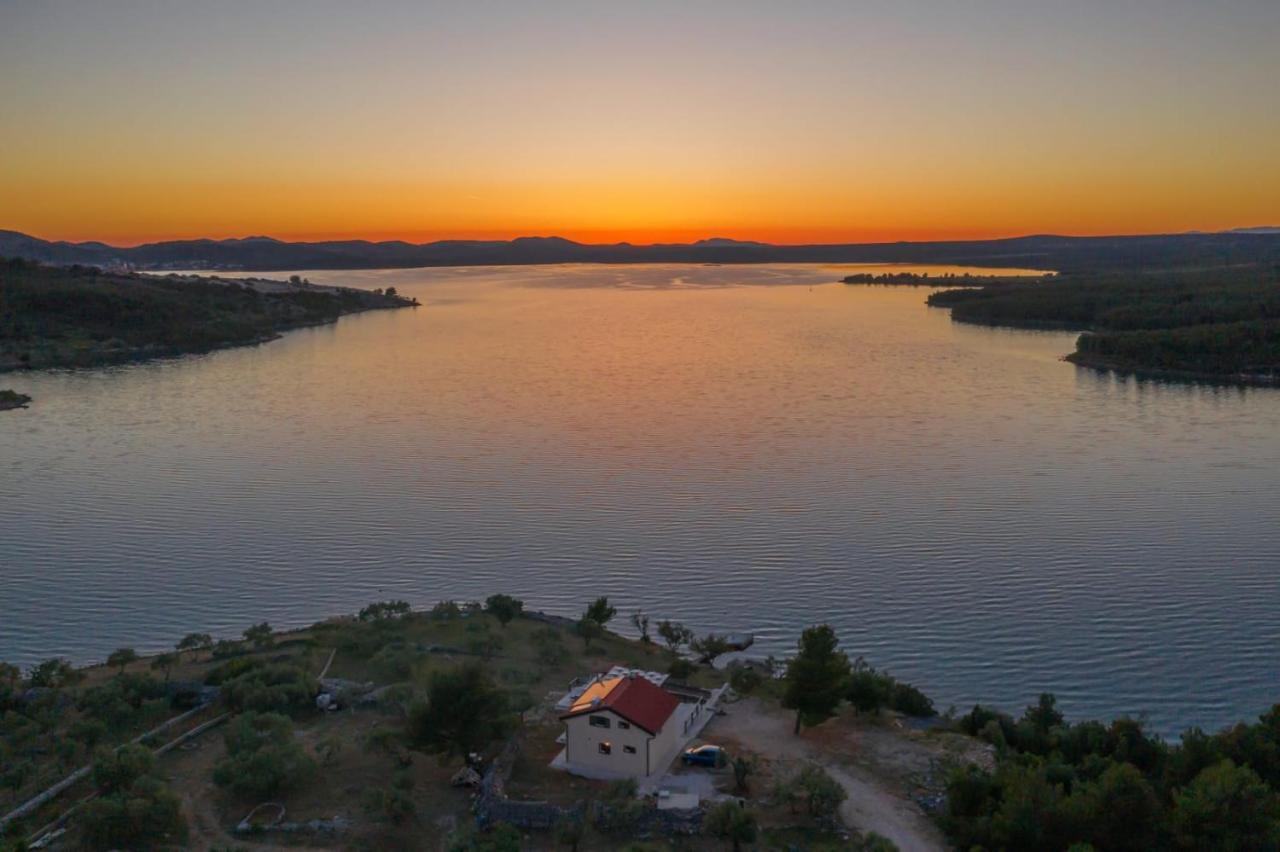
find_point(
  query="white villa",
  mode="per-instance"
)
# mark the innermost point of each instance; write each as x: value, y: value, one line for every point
x: 628, y: 723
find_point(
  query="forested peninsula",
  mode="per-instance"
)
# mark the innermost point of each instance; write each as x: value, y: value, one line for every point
x: 1218, y: 323
x: 80, y: 316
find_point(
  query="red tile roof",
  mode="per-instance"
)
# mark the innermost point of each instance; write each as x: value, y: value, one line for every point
x: 633, y: 698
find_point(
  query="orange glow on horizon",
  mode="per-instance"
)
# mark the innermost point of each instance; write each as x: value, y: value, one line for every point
x: 779, y: 236
x: 643, y: 123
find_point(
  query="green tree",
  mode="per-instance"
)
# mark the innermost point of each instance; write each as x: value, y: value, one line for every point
x: 709, y: 647
x: 1044, y: 715
x: 259, y: 635
x: 674, y: 634
x: 194, y: 642
x: 1119, y: 811
x: 120, y: 658
x: 383, y: 610
x: 165, y: 663
x: 1227, y: 808
x: 463, y: 713
x: 817, y: 677
x: 446, y: 611
x: 588, y: 629
x: 53, y: 673
x: 600, y: 611
x: 640, y: 621
x: 504, y: 608
x: 731, y: 822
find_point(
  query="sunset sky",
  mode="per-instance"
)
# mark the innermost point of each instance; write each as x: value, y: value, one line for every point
x: 790, y: 122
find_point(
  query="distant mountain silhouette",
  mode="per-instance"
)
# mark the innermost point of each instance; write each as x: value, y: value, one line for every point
x: 260, y: 253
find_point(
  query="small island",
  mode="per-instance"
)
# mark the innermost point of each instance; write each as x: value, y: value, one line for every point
x: 11, y: 399
x: 81, y: 316
x: 924, y: 279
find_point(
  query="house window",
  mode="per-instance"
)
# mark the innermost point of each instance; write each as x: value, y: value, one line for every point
x: 606, y: 748
x: 624, y: 725
x: 629, y: 749
x: 599, y: 721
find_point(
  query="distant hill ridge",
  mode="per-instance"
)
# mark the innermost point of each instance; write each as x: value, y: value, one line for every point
x: 263, y: 253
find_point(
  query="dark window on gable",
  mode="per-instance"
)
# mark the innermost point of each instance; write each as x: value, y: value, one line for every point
x: 599, y: 721
x: 629, y: 749
x: 622, y: 724
x: 606, y: 748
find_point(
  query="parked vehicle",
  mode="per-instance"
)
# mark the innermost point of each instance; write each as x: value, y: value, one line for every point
x: 703, y: 755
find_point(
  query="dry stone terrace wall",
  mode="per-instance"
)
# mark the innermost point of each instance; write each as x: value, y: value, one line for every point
x: 492, y: 807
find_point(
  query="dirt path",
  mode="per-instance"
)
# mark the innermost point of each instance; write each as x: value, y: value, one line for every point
x: 873, y: 804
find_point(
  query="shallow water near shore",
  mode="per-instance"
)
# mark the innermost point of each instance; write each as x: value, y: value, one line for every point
x: 740, y: 448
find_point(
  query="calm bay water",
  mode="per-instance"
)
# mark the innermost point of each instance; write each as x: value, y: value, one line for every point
x: 740, y: 448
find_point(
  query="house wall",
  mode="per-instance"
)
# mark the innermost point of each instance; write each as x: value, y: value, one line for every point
x: 582, y: 745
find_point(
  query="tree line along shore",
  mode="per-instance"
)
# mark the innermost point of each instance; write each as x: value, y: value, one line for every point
x: 239, y: 739
x: 81, y: 316
x: 1213, y: 323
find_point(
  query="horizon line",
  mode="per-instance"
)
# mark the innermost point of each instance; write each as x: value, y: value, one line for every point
x: 713, y: 237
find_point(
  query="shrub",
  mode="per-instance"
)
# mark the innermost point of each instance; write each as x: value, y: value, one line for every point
x: 732, y: 822
x: 194, y: 642
x: 393, y: 803
x: 744, y: 678
x: 260, y: 635
x: 123, y: 701
x: 226, y: 648
x: 911, y: 701
x: 146, y: 816
x: 55, y: 673
x: 502, y: 837
x: 394, y: 663
x: 681, y: 669
x: 383, y: 610
x: 868, y: 689
x: 551, y: 649
x: 231, y: 669
x: 115, y: 770
x: 446, y: 610
x: 272, y: 687
x: 823, y: 793
x: 263, y: 758
x: 709, y: 647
